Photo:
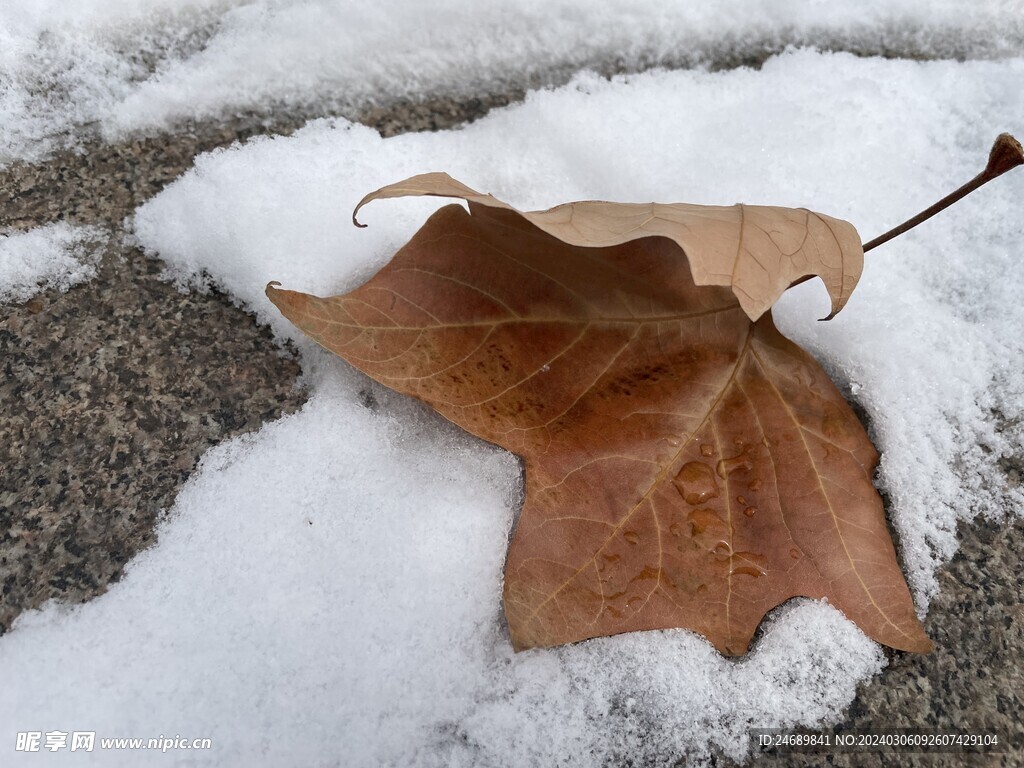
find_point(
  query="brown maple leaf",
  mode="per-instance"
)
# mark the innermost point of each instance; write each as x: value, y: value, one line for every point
x: 686, y: 465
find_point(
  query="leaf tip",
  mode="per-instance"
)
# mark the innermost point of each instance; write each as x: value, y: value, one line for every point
x: 919, y: 643
x: 907, y: 635
x: 359, y: 205
x: 277, y: 295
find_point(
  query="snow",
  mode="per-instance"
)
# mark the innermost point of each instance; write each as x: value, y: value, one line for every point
x: 126, y: 67
x: 53, y: 256
x: 327, y: 590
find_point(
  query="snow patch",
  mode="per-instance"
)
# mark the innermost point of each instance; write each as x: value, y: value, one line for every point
x: 53, y: 256
x: 128, y: 67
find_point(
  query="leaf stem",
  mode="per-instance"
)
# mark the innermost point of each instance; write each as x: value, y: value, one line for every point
x: 1006, y: 154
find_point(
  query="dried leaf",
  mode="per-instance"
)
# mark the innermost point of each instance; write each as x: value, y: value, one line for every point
x: 685, y: 466
x: 759, y: 251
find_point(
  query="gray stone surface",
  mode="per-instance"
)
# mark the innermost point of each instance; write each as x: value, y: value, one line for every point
x: 110, y: 393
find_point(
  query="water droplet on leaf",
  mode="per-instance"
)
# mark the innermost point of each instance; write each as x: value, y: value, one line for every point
x: 748, y: 564
x: 745, y: 570
x: 696, y: 483
x: 728, y: 466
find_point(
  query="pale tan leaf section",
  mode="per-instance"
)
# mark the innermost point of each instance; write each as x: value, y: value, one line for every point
x: 758, y: 251
x: 685, y: 467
